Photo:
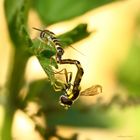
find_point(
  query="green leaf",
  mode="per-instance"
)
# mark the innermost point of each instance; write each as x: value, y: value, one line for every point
x: 44, y: 52
x: 78, y: 33
x: 43, y: 93
x: 52, y: 11
x: 83, y: 116
x: 16, y: 14
x: 70, y: 37
x: 39, y: 48
x: 129, y: 73
x: 10, y: 12
x: 47, y: 67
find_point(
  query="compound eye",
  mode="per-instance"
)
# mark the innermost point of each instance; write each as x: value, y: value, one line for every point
x: 65, y: 101
x: 43, y: 34
x: 60, y: 51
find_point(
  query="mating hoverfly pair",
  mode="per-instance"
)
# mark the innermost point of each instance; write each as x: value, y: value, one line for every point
x: 71, y: 90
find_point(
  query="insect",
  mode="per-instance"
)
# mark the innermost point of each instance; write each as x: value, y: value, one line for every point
x: 71, y: 91
x: 50, y: 38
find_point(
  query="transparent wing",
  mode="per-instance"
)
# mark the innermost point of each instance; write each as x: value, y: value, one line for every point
x: 91, y: 91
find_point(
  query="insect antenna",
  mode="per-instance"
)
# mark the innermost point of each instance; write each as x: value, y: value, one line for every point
x: 37, y: 29
x: 77, y: 50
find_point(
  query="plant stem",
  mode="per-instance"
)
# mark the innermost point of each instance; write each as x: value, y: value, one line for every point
x: 14, y: 84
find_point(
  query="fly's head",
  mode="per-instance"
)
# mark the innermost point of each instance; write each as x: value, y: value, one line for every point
x: 65, y: 101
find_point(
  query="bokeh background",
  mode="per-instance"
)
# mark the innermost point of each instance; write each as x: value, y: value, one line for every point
x: 111, y: 58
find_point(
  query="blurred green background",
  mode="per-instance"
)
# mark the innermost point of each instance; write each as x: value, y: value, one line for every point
x: 107, y: 32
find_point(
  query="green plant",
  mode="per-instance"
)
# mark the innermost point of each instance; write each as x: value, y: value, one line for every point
x: 41, y: 92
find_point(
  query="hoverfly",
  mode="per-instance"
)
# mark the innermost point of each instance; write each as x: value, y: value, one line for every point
x: 71, y: 90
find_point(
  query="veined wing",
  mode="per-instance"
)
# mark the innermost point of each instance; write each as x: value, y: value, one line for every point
x: 91, y: 91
